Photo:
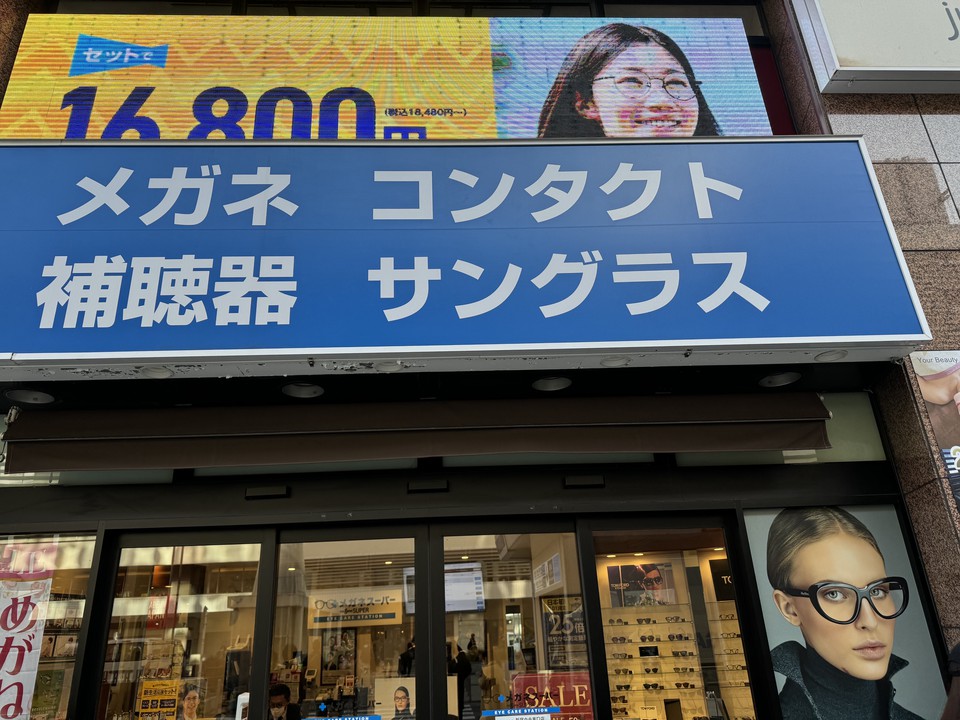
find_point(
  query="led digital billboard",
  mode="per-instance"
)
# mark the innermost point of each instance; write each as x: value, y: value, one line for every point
x: 177, y: 78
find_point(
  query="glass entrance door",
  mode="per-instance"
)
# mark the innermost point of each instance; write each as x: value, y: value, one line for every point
x: 180, y: 638
x: 514, y: 626
x: 345, y: 635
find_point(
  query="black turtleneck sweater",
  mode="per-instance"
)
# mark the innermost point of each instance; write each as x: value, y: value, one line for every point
x: 816, y: 690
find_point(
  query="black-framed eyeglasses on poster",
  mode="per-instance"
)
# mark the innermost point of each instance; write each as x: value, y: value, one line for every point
x: 842, y: 614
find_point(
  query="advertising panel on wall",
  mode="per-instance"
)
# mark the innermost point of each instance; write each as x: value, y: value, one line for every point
x: 194, y: 77
x: 938, y: 375
x: 423, y: 251
x: 882, y: 46
x: 842, y: 614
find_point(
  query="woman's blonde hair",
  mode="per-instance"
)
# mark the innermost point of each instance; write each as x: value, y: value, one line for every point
x: 795, y: 528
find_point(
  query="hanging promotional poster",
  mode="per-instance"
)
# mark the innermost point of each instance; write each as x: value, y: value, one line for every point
x: 564, y: 631
x: 842, y: 613
x: 263, y: 78
x: 26, y: 574
x: 633, y: 585
x: 938, y: 375
x: 565, y: 695
x: 157, y: 699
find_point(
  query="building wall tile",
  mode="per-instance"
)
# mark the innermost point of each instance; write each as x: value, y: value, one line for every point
x: 936, y: 275
x: 937, y: 537
x: 908, y: 431
x: 921, y: 205
x: 941, y: 116
x: 891, y: 125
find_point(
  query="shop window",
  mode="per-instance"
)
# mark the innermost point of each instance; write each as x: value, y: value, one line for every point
x: 42, y: 600
x: 344, y: 641
x: 180, y: 637
x: 671, y: 625
x: 515, y: 625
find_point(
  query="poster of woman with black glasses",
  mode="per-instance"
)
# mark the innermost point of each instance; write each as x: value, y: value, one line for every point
x: 844, y: 634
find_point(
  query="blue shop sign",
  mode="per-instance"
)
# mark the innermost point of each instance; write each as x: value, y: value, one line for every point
x: 214, y: 249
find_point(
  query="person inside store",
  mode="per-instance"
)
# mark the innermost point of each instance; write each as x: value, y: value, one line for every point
x: 830, y: 581
x: 401, y: 703
x: 279, y: 703
x: 189, y: 705
x: 624, y: 81
x: 408, y: 660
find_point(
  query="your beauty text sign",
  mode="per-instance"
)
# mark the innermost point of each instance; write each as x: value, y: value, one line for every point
x: 179, y: 78
x: 242, y: 249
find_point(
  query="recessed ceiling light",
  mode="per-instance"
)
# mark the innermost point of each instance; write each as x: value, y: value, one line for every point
x: 831, y: 356
x: 718, y: 549
x: 302, y: 390
x: 388, y: 562
x: 611, y: 556
x: 292, y: 569
x: 156, y: 372
x: 779, y: 379
x: 552, y: 384
x: 29, y: 397
x: 638, y: 554
x: 464, y: 557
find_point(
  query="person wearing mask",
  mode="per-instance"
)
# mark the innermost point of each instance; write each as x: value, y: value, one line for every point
x: 280, y: 706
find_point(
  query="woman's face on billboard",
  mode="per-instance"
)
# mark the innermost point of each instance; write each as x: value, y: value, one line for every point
x: 643, y: 92
x: 862, y: 648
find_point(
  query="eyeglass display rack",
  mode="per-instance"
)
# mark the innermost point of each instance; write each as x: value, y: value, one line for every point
x: 734, y: 681
x: 662, y: 662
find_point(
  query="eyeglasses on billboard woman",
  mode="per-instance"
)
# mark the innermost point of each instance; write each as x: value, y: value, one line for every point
x: 830, y: 581
x: 624, y: 81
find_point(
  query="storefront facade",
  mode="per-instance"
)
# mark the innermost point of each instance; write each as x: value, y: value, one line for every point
x: 585, y: 524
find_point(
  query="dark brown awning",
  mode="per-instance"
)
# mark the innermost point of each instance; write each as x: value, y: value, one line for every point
x: 42, y: 441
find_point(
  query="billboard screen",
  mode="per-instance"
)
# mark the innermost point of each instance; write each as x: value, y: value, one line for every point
x: 190, y: 78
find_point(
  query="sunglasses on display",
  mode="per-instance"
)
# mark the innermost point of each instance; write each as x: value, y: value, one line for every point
x: 622, y: 687
x: 622, y: 656
x: 618, y: 639
x: 684, y: 669
x: 651, y: 670
x: 619, y: 711
x: 736, y: 667
x: 675, y: 619
x: 645, y: 621
x: 682, y: 653
x: 618, y: 698
x: 616, y: 621
x: 649, y: 638
x: 841, y: 603
x: 728, y: 616
x: 623, y: 671
x: 678, y: 636
x: 686, y: 685
x: 729, y: 635
x: 652, y: 686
